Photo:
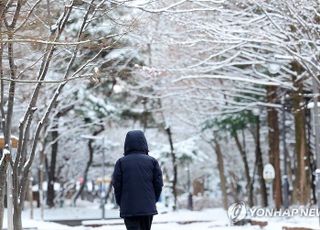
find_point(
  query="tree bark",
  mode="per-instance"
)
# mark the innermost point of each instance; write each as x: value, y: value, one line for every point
x: 2, y: 112
x: 259, y: 164
x: 30, y: 196
x: 3, y: 163
x: 312, y: 160
x: 3, y: 176
x: 17, y: 223
x: 12, y: 181
x: 52, y: 168
x: 274, y: 141
x: 18, y: 205
x: 41, y: 178
x: 249, y: 186
x: 175, y: 168
x: 221, y: 173
x: 302, y: 174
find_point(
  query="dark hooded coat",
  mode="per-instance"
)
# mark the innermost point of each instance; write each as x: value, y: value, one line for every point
x: 137, y: 178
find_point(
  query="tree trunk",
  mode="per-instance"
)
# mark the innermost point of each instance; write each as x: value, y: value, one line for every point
x: 3, y: 4
x: 259, y: 165
x: 312, y: 160
x: 175, y: 168
x: 41, y: 179
x: 249, y: 186
x: 30, y: 195
x: 18, y: 199
x: 54, y: 154
x: 221, y: 173
x: 302, y: 176
x: 274, y: 141
x: 90, y: 160
x: 3, y: 176
x: 17, y: 221
x: 52, y: 168
x: 3, y: 163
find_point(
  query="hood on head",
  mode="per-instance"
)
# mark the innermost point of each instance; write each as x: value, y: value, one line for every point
x: 135, y: 142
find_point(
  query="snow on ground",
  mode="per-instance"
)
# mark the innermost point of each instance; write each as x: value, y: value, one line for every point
x: 180, y: 220
x: 217, y: 219
x: 208, y: 219
x: 84, y: 210
x: 40, y: 225
x: 171, y: 226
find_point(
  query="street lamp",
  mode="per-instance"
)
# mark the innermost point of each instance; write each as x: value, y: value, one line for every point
x: 268, y: 176
x: 273, y: 68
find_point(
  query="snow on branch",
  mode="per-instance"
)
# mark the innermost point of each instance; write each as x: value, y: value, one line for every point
x: 231, y: 78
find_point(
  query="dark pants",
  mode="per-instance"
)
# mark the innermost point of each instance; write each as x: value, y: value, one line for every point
x: 138, y: 222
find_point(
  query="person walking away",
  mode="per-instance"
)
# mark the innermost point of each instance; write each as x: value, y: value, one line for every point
x: 137, y: 183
